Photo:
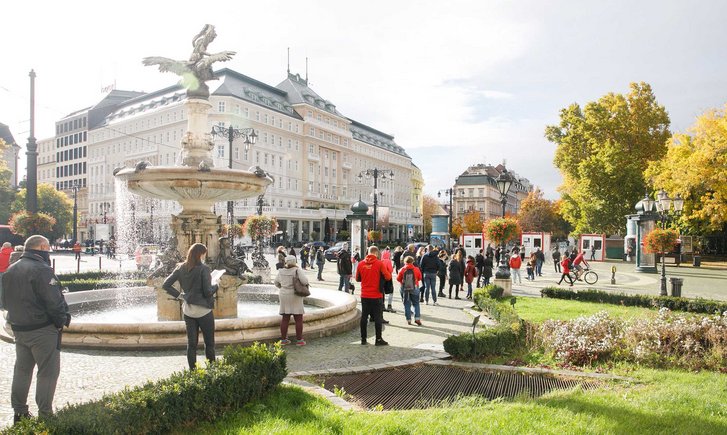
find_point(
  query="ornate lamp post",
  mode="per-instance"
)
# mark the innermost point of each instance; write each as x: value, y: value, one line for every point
x: 663, y: 210
x: 74, y: 187
x: 232, y: 133
x: 376, y: 173
x: 504, y: 182
x: 448, y: 192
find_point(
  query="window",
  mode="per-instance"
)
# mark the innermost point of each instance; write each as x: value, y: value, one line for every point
x: 266, y: 158
x: 245, y: 154
x: 221, y: 107
x: 266, y: 118
x: 257, y: 115
x: 257, y: 157
x: 310, y: 186
x: 247, y: 112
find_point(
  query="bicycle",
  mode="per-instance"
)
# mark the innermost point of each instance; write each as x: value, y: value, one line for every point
x: 588, y: 275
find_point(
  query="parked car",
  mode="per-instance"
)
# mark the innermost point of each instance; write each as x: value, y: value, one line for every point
x: 331, y: 253
x: 316, y: 245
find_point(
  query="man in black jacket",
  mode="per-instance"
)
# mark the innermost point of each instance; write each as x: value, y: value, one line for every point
x: 480, y: 265
x: 37, y: 312
x: 430, y: 266
x: 345, y: 269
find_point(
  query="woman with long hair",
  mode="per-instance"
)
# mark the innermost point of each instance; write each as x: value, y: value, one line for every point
x: 442, y: 271
x: 456, y: 273
x: 290, y: 303
x: 197, y: 298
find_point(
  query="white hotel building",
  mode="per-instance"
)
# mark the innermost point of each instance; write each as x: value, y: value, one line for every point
x: 313, y: 152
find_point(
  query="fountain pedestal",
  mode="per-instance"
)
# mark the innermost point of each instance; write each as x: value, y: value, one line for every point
x: 196, y: 143
x: 168, y: 308
x: 226, y: 298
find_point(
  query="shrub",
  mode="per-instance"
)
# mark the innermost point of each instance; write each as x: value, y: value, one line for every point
x: 183, y: 399
x: 673, y: 303
x: 668, y: 340
x: 506, y: 336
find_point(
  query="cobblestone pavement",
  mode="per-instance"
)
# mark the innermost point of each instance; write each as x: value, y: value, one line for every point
x: 87, y: 375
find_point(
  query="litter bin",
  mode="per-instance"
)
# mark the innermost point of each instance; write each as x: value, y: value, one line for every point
x: 676, y: 286
x: 697, y: 261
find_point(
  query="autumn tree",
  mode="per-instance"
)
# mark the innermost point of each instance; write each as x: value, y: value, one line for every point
x: 472, y: 222
x: 539, y: 214
x: 458, y: 228
x: 53, y: 203
x: 602, y: 152
x: 429, y: 208
x: 695, y: 167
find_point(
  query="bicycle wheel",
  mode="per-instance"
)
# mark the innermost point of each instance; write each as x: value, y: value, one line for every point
x: 590, y: 277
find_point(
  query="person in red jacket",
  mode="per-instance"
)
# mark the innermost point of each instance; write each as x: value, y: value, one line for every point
x: 369, y: 273
x: 5, y: 252
x: 516, y: 263
x: 565, y: 263
x: 470, y: 272
x: 410, y: 295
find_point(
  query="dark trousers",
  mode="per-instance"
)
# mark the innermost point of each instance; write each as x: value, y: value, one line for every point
x: 556, y: 264
x: 479, y: 275
x: 39, y: 347
x: 205, y: 323
x: 373, y: 308
x: 565, y: 275
x: 442, y: 280
x: 320, y: 270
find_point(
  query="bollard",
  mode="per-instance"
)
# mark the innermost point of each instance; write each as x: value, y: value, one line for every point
x: 99, y: 263
x: 54, y: 265
x: 78, y: 264
x: 613, y: 274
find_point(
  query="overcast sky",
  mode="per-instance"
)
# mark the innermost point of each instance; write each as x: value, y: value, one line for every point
x: 456, y: 82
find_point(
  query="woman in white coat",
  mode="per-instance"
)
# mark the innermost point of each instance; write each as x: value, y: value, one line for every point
x: 290, y: 303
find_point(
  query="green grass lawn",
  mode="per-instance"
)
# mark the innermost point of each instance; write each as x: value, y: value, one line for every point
x: 659, y: 402
x: 540, y: 309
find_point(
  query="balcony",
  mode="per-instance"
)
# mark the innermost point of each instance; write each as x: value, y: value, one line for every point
x: 346, y: 165
x: 315, y: 157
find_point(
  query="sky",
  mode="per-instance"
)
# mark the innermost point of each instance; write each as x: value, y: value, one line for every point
x: 456, y: 83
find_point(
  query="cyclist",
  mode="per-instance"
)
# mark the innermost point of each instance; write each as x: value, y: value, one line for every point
x: 580, y: 259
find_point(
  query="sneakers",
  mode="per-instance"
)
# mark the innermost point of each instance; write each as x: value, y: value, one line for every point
x: 385, y: 322
x: 364, y: 342
x: 441, y: 295
x: 436, y: 304
x: 18, y: 417
x: 284, y: 342
x: 408, y: 322
x: 300, y: 343
x: 418, y: 322
x: 381, y: 342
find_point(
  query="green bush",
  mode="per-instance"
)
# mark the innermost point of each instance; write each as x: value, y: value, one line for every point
x: 98, y: 275
x: 91, y: 284
x: 508, y: 335
x: 184, y: 399
x: 673, y: 303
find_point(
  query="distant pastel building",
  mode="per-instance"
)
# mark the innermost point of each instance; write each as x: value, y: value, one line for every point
x: 476, y: 189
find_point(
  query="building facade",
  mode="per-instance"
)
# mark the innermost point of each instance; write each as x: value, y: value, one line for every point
x: 313, y: 152
x: 11, y: 155
x: 476, y: 190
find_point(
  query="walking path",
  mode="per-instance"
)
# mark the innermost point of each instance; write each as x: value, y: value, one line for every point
x: 87, y: 375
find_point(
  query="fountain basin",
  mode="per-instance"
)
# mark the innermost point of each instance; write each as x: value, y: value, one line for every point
x: 337, y: 313
x: 196, y: 190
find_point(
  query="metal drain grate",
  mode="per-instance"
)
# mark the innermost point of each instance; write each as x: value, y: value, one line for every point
x: 422, y: 386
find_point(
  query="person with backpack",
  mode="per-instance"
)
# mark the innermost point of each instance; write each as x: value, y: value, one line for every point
x: 455, y: 275
x: 409, y: 277
x: 369, y: 273
x: 304, y: 257
x: 345, y: 269
x: 516, y: 263
x: 470, y: 272
x: 480, y: 265
x: 565, y: 263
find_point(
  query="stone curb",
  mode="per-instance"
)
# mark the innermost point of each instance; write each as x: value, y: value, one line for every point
x: 532, y: 370
x: 315, y: 389
x: 370, y: 368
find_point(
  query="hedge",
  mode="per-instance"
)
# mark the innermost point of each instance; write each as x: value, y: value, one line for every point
x: 91, y: 284
x: 509, y: 333
x: 184, y: 399
x: 698, y: 305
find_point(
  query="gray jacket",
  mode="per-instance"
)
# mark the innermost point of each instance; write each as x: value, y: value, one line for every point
x: 196, y: 285
x: 32, y: 295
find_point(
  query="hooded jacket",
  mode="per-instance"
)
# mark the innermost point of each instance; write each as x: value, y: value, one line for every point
x: 368, y: 273
x: 469, y: 271
x: 430, y: 262
x: 5, y: 258
x: 417, y: 275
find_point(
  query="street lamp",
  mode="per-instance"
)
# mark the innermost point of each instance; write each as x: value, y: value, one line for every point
x: 105, y: 207
x: 504, y: 182
x: 663, y: 210
x: 75, y: 186
x: 449, y: 192
x: 376, y: 173
x: 232, y: 133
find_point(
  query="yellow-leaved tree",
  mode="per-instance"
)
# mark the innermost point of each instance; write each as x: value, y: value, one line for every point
x: 695, y: 166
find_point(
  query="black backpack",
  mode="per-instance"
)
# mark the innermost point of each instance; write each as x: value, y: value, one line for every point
x: 409, y: 281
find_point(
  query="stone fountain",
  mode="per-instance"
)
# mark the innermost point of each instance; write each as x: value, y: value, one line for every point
x: 196, y: 185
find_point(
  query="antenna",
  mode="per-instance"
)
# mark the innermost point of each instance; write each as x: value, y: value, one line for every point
x: 288, y: 60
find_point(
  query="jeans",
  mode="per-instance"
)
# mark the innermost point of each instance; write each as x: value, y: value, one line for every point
x: 207, y: 324
x: 479, y: 275
x: 320, y: 270
x: 516, y: 274
x: 539, y: 268
x: 430, y: 285
x: 344, y: 282
x: 469, y: 290
x: 409, y: 299
x: 373, y: 308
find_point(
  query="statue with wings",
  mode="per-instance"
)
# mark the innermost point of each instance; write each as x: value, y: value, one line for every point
x: 198, y: 69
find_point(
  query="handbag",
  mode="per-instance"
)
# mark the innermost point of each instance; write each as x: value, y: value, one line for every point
x: 299, y: 288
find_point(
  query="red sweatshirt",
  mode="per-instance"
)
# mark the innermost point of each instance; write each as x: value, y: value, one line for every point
x: 368, y: 273
x: 417, y: 274
x: 5, y: 258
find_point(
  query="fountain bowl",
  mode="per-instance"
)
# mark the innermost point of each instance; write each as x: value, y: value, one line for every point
x: 196, y: 190
x: 337, y: 313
